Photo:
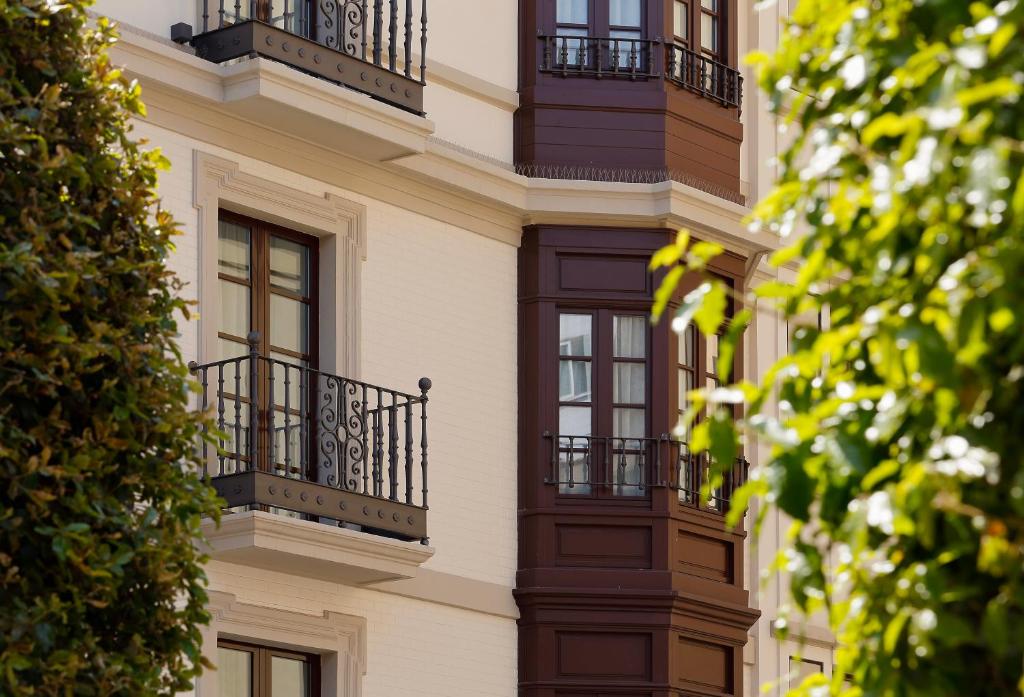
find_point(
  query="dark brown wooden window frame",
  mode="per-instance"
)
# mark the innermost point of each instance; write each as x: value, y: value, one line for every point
x: 692, y: 42
x: 260, y: 291
x: 602, y: 405
x: 261, y: 665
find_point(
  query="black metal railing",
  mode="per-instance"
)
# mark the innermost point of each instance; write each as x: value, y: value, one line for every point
x: 599, y: 57
x: 299, y: 424
x: 379, y: 34
x: 708, y: 78
x: 605, y: 466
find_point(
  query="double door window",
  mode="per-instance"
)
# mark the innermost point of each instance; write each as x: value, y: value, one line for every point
x: 602, y: 403
x: 267, y: 284
x: 245, y: 670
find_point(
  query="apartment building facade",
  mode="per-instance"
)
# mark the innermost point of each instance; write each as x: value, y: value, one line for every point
x: 418, y: 234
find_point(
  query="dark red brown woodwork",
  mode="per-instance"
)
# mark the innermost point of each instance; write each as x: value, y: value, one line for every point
x: 637, y: 595
x: 631, y: 128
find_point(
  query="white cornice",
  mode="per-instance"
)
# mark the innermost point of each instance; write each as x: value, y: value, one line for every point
x: 273, y: 113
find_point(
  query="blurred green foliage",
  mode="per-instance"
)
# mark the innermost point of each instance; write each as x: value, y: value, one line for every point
x: 101, y: 586
x: 893, y: 431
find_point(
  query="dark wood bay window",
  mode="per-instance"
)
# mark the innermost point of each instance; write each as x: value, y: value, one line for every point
x: 700, y: 25
x: 267, y: 284
x: 602, y: 402
x: 246, y: 670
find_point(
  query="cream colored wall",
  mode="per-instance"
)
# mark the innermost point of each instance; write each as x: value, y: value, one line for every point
x: 413, y: 647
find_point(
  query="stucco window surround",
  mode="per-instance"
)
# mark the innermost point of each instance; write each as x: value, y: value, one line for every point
x: 340, y: 224
x: 339, y: 640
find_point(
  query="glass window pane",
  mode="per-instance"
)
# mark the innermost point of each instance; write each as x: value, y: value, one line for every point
x: 289, y: 265
x: 574, y: 381
x: 234, y: 308
x: 628, y: 383
x: 289, y: 677
x: 233, y: 249
x: 685, y: 387
x: 572, y: 12
x: 709, y: 33
x: 688, y: 347
x: 630, y: 337
x: 710, y: 4
x: 682, y: 20
x: 289, y: 324
x: 628, y: 423
x: 625, y: 49
x: 624, y: 13
x: 574, y: 421
x: 571, y: 50
x: 575, y: 335
x: 234, y: 672
x: 230, y: 349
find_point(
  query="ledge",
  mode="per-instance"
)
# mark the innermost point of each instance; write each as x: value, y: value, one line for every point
x: 304, y: 548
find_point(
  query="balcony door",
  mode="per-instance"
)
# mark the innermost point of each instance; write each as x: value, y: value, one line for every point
x: 267, y: 284
x: 603, y: 414
x: 605, y: 30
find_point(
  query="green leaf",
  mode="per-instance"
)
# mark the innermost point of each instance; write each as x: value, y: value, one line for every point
x: 710, y: 312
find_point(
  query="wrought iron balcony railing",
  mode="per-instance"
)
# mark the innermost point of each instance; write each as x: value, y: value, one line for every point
x: 597, y: 57
x: 293, y: 438
x: 698, y: 73
x: 608, y: 467
x: 364, y: 44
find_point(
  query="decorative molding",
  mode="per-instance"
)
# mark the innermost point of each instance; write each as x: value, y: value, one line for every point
x: 311, y: 549
x: 339, y: 639
x: 455, y: 591
x: 338, y: 222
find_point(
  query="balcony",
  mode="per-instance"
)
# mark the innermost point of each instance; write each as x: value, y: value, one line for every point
x: 620, y: 468
x: 364, y: 45
x: 313, y: 446
x: 634, y: 59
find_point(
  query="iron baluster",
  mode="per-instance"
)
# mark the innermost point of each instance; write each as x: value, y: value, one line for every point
x: 271, y: 408
x: 423, y: 43
x: 553, y: 459
x: 365, y: 451
x: 393, y: 36
x: 393, y: 448
x: 598, y: 58
x: 362, y: 30
x: 633, y: 58
x: 238, y: 417
x: 254, y: 402
x: 238, y: 10
x: 303, y: 418
x: 564, y: 54
x: 220, y: 417
x: 408, y: 450
x: 571, y: 461
x: 378, y: 438
x: 287, y: 418
x: 546, y: 60
x: 378, y: 30
x: 615, y: 56
x: 206, y: 15
x: 424, y: 385
x: 408, y: 38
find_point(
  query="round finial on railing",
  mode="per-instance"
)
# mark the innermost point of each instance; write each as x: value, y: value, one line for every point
x: 425, y: 384
x: 193, y: 367
x: 253, y: 339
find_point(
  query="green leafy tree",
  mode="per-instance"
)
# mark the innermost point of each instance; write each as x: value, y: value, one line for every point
x: 101, y: 586
x: 895, y: 432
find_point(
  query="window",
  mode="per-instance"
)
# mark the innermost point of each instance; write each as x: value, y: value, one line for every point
x: 614, y: 28
x: 700, y: 25
x: 696, y: 366
x: 801, y: 669
x: 602, y: 402
x: 245, y: 670
x: 267, y: 283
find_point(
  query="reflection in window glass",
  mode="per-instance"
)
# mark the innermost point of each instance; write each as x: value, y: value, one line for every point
x: 574, y: 338
x: 234, y: 308
x: 233, y: 249
x: 572, y: 12
x: 574, y: 381
x: 624, y: 13
x: 289, y: 265
x: 289, y: 677
x: 681, y: 20
x: 234, y: 672
x: 630, y: 336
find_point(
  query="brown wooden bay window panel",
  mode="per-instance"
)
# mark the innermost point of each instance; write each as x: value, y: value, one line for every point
x: 249, y: 670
